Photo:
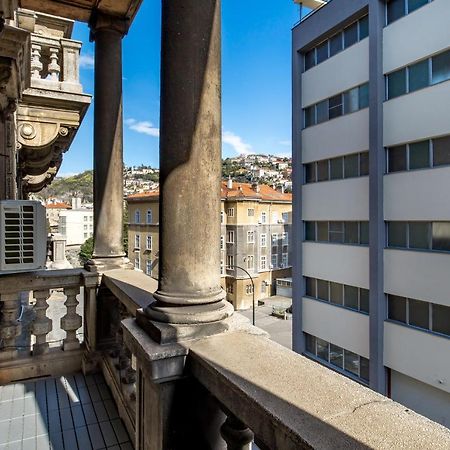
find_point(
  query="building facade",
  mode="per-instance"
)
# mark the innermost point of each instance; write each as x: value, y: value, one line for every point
x: 76, y: 225
x: 143, y: 232
x: 371, y: 162
x: 255, y: 232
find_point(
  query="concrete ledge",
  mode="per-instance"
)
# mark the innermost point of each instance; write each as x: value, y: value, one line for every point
x: 132, y: 288
x: 290, y: 402
x: 54, y: 363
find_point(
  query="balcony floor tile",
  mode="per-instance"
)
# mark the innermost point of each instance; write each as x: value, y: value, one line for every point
x: 67, y: 413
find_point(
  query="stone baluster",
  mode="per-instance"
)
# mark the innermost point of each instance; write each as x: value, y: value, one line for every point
x: 237, y: 435
x: 10, y: 327
x: 36, y: 64
x: 71, y: 65
x: 41, y: 325
x: 71, y: 321
x: 54, y: 68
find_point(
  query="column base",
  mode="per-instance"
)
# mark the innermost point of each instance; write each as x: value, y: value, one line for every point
x: 169, y: 333
x: 102, y: 264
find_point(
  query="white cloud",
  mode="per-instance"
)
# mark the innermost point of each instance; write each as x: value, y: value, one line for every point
x: 87, y: 61
x: 287, y: 143
x: 241, y: 147
x: 143, y: 127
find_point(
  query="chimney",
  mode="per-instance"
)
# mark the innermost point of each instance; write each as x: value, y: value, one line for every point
x: 256, y: 187
x: 76, y: 203
x: 230, y: 183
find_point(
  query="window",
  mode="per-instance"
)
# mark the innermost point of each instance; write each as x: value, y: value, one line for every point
x: 397, y: 308
x: 440, y: 67
x: 250, y: 262
x: 263, y: 287
x: 342, y: 103
x: 338, y: 232
x: 222, y: 214
x: 441, y: 319
x: 336, y: 44
x: 285, y: 238
x: 394, y: 10
x: 351, y: 35
x: 336, y: 168
x: 348, y: 166
x: 418, y: 75
x: 249, y: 289
x: 222, y: 269
x: 397, y: 234
x: 441, y: 151
x: 85, y: 235
x: 222, y: 240
x: 250, y: 212
x: 322, y: 52
x: 396, y: 83
x: 351, y: 101
x: 323, y: 170
x: 338, y: 357
x: 148, y: 267
x: 284, y: 260
x: 419, y: 235
x: 137, y: 216
x: 274, y: 217
x: 230, y: 261
x: 263, y: 239
x: 285, y: 217
x: 419, y: 314
x: 137, y: 263
x: 137, y: 241
x: 230, y: 212
x: 229, y: 288
x: 250, y: 237
x: 397, y: 158
x: 274, y: 240
x: 263, y: 263
x: 85, y: 227
x: 149, y: 243
x: 339, y: 294
x: 230, y: 237
x: 335, y: 106
x: 419, y: 155
x: 441, y: 236
x: 263, y: 217
x: 274, y: 261
x: 149, y: 216
x: 355, y: 32
x: 336, y: 293
x: 85, y: 218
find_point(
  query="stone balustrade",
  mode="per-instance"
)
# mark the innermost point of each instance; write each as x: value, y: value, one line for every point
x: 32, y: 344
x: 55, y: 58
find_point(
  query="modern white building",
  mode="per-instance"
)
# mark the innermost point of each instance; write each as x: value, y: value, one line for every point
x: 371, y: 140
x: 76, y: 225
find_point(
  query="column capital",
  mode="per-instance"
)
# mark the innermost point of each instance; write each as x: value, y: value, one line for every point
x: 100, y: 21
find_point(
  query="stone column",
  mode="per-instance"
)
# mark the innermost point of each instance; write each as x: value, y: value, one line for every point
x: 107, y: 32
x: 190, y: 170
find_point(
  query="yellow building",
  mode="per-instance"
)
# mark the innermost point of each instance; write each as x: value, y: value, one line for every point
x: 255, y: 239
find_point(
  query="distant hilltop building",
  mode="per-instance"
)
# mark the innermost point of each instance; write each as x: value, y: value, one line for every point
x: 256, y: 225
x: 76, y: 224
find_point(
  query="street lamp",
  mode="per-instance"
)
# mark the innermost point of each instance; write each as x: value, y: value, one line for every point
x: 253, y: 288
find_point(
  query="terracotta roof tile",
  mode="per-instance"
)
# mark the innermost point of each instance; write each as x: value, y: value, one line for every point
x: 58, y: 206
x: 245, y: 190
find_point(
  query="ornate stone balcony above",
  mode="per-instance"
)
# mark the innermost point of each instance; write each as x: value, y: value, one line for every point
x: 53, y: 107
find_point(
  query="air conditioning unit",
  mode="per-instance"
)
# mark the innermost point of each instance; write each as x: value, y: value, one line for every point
x: 23, y: 236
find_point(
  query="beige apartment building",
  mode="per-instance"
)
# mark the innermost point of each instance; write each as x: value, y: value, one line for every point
x: 255, y: 233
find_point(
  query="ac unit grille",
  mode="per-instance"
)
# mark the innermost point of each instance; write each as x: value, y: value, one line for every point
x: 19, y: 234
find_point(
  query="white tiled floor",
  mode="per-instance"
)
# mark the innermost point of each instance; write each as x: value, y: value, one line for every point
x: 67, y: 413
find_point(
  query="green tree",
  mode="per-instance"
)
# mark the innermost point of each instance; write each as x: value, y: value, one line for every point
x: 86, y: 251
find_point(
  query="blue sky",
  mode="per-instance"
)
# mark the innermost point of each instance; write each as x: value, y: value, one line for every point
x: 256, y: 61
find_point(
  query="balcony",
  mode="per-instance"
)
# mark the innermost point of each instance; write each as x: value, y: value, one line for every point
x: 172, y: 359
